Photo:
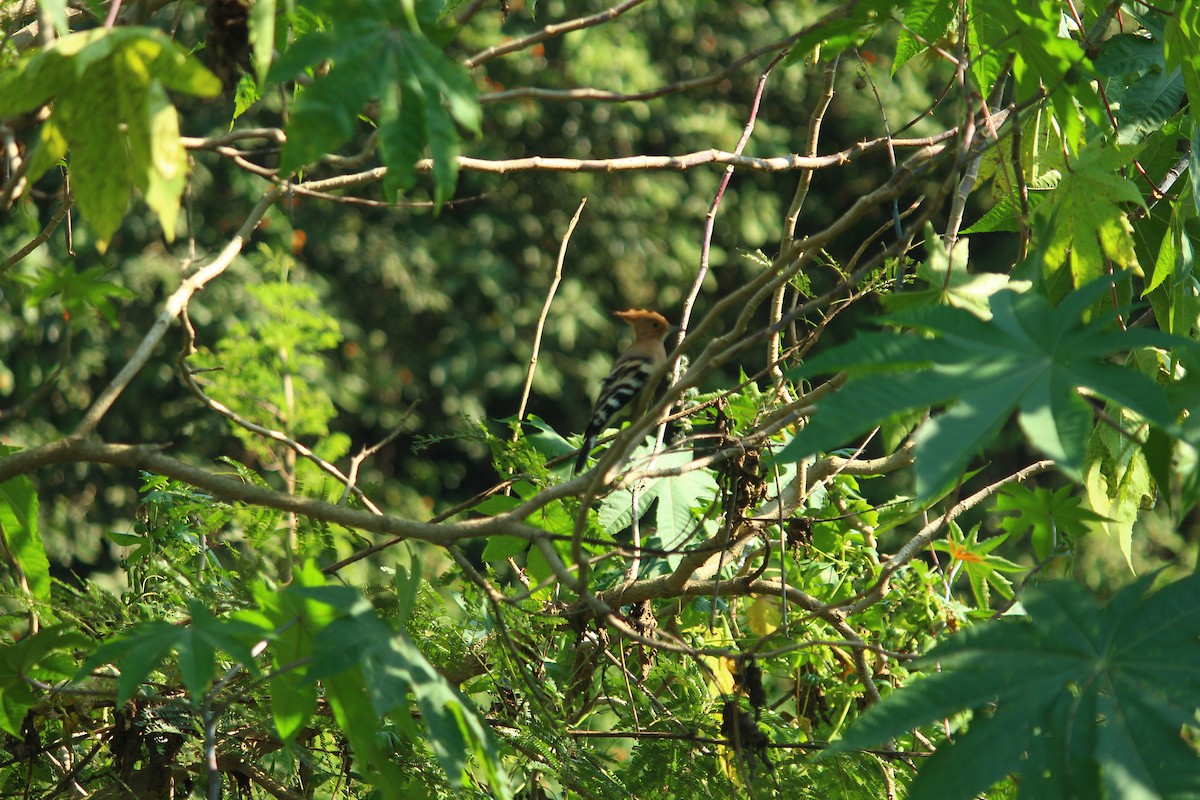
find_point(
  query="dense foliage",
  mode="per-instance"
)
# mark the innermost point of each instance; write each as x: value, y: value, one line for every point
x: 308, y: 298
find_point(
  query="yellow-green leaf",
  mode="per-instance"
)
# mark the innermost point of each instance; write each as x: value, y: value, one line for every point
x: 110, y: 110
x: 764, y: 616
x: 1085, y: 222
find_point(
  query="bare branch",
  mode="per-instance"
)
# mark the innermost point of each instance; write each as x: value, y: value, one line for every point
x: 75, y: 449
x: 189, y: 380
x: 551, y: 31
x: 681, y: 162
x: 605, y: 96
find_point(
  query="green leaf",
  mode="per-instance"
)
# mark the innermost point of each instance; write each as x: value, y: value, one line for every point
x: 136, y: 652
x: 949, y: 281
x: 1005, y: 215
x: 1148, y: 103
x: 947, y: 441
x: 391, y: 667
x: 408, y: 586
x: 1044, y: 60
x: 975, y: 558
x: 848, y: 25
x: 402, y: 139
x: 245, y: 96
x: 1176, y: 260
x: 325, y: 114
x: 262, y: 37
x: 423, y: 95
x: 197, y: 655
x: 1127, y: 54
x: 293, y: 702
x: 21, y: 536
x: 233, y: 636
x: 1085, y: 222
x: 497, y: 504
x: 545, y: 438
x: 1118, y: 483
x: 1030, y: 358
x: 125, y: 539
x: 296, y: 621
x: 1048, y: 515
x: 347, y: 698
x: 44, y: 656
x: 1182, y: 51
x: 1141, y: 89
x: 1194, y: 161
x: 864, y: 404
x: 925, y: 22
x: 499, y: 548
x: 80, y: 292
x: 676, y: 496
x: 1075, y: 686
x: 140, y: 650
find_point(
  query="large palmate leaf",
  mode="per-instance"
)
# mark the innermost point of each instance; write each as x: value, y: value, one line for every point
x: 1082, y: 701
x: 368, y: 670
x: 295, y: 621
x: 1029, y: 358
x: 421, y: 92
x: 110, y: 109
x: 1051, y: 516
x: 676, y: 496
x: 1086, y: 221
x: 142, y: 649
x: 975, y: 559
x: 950, y: 282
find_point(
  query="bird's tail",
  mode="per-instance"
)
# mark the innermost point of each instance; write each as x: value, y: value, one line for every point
x: 581, y: 461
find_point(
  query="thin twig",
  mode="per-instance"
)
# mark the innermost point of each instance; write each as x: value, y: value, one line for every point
x: 683, y: 162
x: 814, y: 136
x: 171, y: 309
x: 367, y: 452
x: 557, y: 29
x: 792, y: 219
x: 541, y: 322
x: 607, y: 96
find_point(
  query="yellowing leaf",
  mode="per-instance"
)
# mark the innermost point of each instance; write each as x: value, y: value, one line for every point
x: 764, y: 616
x: 722, y: 676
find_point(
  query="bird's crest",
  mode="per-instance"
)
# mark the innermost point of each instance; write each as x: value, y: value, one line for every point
x: 645, y: 323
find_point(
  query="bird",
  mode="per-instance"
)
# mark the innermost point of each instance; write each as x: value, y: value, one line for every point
x: 629, y: 376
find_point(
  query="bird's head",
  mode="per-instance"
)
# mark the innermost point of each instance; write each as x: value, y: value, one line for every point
x: 646, y: 324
